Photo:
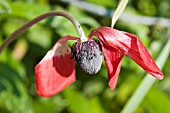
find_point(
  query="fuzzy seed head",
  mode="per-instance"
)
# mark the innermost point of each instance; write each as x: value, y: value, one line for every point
x: 87, y: 55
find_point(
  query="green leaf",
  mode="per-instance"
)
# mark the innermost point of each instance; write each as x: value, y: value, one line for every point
x: 53, y: 104
x: 13, y: 93
x: 40, y: 36
x: 78, y: 103
x: 156, y: 101
x: 26, y: 10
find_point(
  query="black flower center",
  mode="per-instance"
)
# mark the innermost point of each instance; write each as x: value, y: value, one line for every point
x: 88, y: 55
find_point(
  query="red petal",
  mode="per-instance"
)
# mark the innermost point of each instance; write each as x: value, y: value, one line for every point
x: 113, y: 59
x: 56, y: 70
x: 131, y: 46
x: 141, y: 56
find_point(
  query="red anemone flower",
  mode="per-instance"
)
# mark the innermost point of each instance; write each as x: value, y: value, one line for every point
x: 56, y: 70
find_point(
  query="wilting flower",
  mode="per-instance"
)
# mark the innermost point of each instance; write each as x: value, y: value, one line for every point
x: 56, y: 70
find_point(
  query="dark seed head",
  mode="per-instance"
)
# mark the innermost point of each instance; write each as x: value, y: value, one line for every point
x: 88, y: 55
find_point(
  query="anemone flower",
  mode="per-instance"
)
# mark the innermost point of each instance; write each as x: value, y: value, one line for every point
x: 56, y: 70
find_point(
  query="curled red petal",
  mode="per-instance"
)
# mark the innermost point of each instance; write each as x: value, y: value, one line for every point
x: 113, y: 59
x: 56, y: 70
x: 130, y: 45
x: 142, y: 57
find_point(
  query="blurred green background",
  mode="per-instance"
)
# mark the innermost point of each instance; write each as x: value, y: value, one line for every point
x: 90, y: 93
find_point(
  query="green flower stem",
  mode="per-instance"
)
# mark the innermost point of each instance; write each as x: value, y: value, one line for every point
x: 38, y: 19
x: 148, y: 81
x: 119, y: 11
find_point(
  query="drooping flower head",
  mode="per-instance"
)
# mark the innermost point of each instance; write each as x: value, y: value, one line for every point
x: 56, y: 70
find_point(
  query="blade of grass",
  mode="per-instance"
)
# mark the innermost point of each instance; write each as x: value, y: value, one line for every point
x: 148, y: 81
x: 6, y: 5
x: 119, y: 11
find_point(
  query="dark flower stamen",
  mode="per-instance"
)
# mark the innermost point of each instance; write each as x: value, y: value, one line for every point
x: 88, y: 55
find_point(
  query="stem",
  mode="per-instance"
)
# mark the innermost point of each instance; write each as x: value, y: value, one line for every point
x: 118, y: 11
x: 38, y: 19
